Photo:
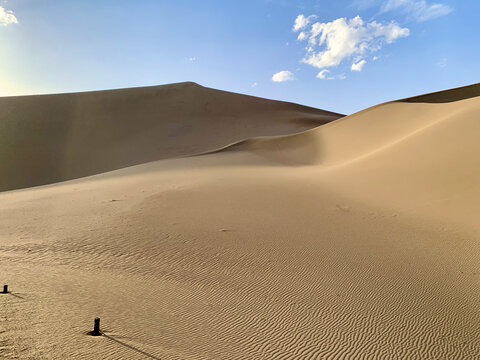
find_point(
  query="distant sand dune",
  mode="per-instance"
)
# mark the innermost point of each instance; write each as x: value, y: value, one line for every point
x: 52, y: 138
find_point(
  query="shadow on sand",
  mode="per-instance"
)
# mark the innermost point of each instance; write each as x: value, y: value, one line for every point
x: 16, y: 295
x: 13, y: 294
x: 131, y: 347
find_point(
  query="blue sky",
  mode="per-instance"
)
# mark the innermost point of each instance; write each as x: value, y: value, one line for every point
x: 341, y: 55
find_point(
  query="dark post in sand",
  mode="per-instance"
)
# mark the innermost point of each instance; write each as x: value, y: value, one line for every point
x: 5, y: 289
x: 96, y: 327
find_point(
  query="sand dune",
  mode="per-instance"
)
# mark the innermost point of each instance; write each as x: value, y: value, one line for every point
x: 414, y: 156
x: 354, y: 240
x: 52, y: 138
x: 366, y: 132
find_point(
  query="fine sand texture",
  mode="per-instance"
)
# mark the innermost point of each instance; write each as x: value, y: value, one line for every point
x: 358, y: 239
x: 51, y: 138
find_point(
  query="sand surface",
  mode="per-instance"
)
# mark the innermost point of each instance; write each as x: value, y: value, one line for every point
x: 358, y: 239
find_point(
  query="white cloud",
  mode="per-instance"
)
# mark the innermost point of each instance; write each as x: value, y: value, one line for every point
x: 282, y: 76
x: 254, y: 85
x: 192, y: 59
x: 302, y: 36
x: 323, y: 74
x: 7, y: 17
x: 301, y: 22
x: 358, y: 66
x: 342, y: 39
x: 418, y: 10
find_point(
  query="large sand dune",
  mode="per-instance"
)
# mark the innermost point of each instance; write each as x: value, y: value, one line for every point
x: 354, y: 240
x: 52, y: 138
x: 417, y: 156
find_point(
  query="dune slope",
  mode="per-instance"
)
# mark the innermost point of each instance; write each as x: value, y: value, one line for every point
x: 52, y: 138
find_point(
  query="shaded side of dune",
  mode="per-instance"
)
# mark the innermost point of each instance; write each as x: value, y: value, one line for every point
x: 457, y: 94
x: 52, y: 138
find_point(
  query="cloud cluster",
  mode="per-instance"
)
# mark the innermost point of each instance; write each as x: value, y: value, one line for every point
x: 329, y: 44
x: 418, y: 10
x: 282, y: 76
x: 7, y: 17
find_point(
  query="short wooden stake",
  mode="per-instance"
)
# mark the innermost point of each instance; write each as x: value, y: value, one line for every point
x: 5, y: 289
x: 96, y: 328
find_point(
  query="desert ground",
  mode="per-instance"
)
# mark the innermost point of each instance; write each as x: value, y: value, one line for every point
x: 201, y: 224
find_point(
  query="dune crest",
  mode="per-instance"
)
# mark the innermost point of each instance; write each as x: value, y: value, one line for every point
x: 450, y: 95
